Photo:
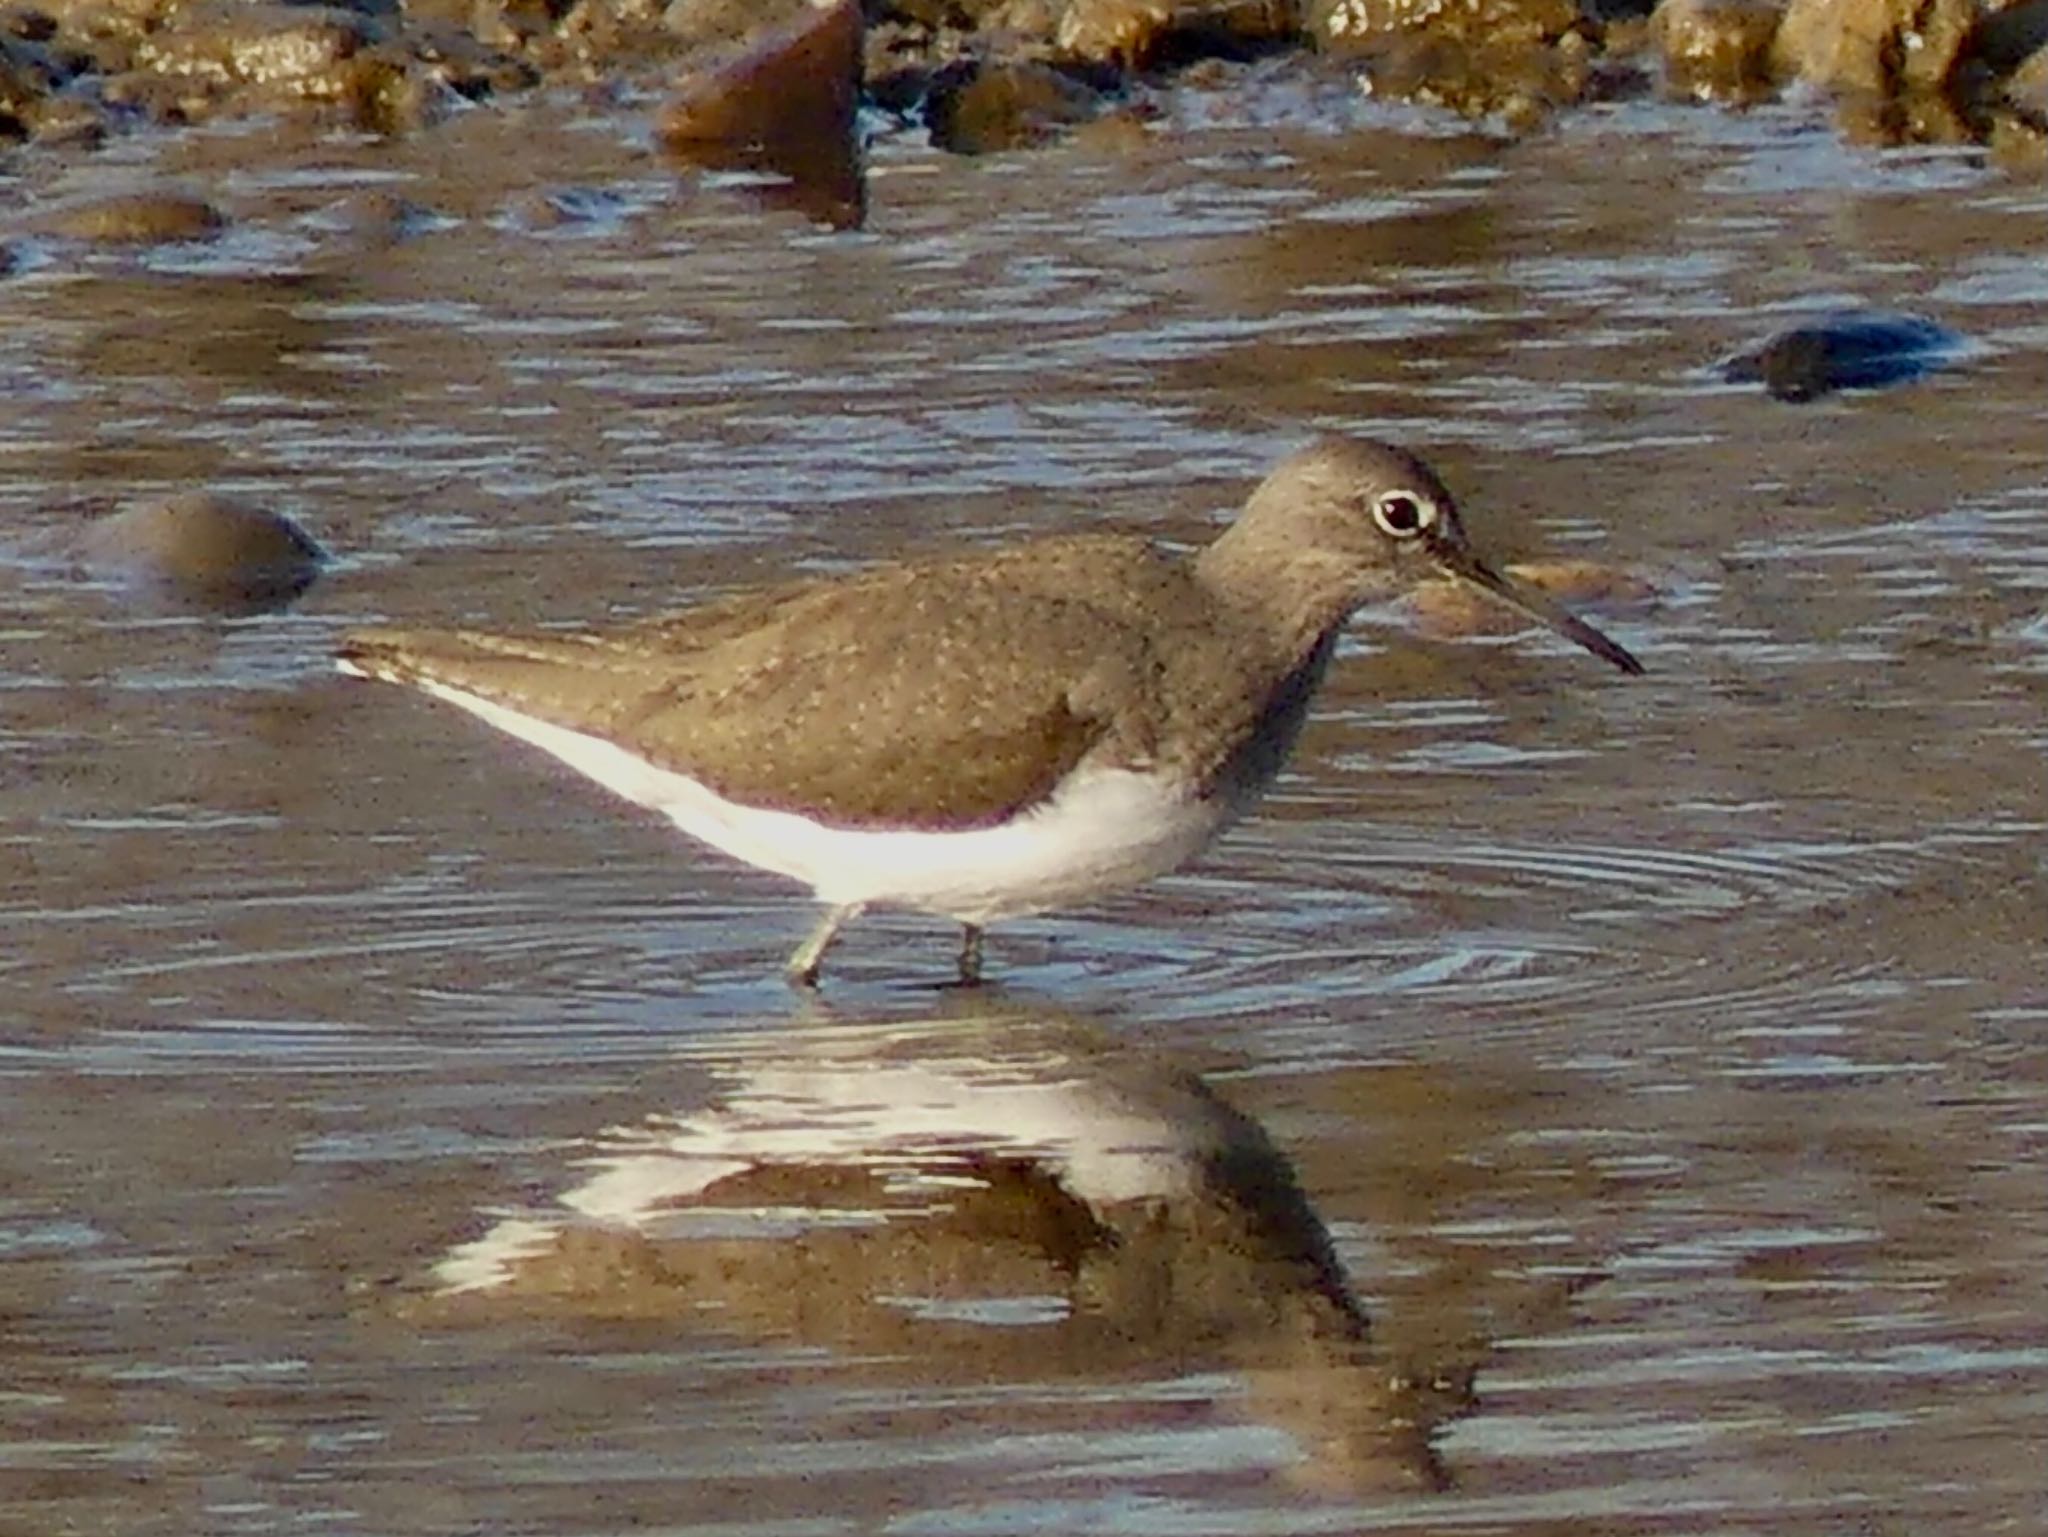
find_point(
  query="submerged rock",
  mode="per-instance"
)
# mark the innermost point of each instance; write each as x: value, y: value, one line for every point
x: 137, y: 218
x: 200, y: 552
x: 1850, y: 350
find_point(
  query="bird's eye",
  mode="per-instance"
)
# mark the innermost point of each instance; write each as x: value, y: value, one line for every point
x: 1403, y: 514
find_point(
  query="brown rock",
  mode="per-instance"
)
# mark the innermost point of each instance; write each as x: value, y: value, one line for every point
x: 1516, y: 58
x: 179, y: 61
x: 798, y: 84
x: 199, y: 551
x: 1716, y: 50
x: 70, y: 120
x: 218, y: 56
x: 1341, y: 25
x: 1873, y: 47
x: 785, y: 105
x: 1134, y: 32
x: 985, y: 108
x: 1038, y: 20
x: 1916, y: 117
x: 384, y: 91
x: 161, y: 98
x: 141, y: 218
x: 290, y: 48
x: 602, y: 32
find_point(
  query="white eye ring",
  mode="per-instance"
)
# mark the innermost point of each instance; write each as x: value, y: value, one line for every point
x: 1404, y: 514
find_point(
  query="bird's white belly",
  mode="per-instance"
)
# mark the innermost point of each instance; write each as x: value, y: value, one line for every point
x: 1102, y: 831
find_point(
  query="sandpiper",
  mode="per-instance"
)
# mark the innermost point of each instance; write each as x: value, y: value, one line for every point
x: 987, y: 734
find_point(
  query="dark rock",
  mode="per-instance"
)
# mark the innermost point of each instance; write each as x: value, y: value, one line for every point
x: 978, y: 109
x: 2009, y: 37
x: 2002, y: 83
x: 27, y: 24
x: 141, y: 218
x: 1717, y: 50
x: 2026, y: 88
x: 2015, y: 116
x: 1851, y: 350
x: 199, y: 552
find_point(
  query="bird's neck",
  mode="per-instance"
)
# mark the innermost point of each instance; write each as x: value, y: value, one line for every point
x: 1294, y: 599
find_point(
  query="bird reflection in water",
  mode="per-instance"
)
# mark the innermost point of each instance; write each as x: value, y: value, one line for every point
x: 992, y: 1195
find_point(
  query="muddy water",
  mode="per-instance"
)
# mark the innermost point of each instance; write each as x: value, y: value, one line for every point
x: 395, y: 1136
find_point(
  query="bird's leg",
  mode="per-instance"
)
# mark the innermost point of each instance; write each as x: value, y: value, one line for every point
x: 970, y: 955
x: 803, y: 967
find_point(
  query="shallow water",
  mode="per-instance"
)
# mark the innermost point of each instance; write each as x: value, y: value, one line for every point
x: 1666, y: 1059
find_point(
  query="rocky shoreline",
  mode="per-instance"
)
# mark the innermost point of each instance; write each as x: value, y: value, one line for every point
x: 987, y: 75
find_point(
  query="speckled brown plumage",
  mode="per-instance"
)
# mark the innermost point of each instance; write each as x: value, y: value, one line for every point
x: 954, y: 691
x: 935, y: 693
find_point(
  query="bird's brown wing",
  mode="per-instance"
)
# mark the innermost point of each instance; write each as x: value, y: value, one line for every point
x: 943, y: 693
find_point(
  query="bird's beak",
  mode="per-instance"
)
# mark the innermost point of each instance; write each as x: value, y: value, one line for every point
x: 1461, y: 563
